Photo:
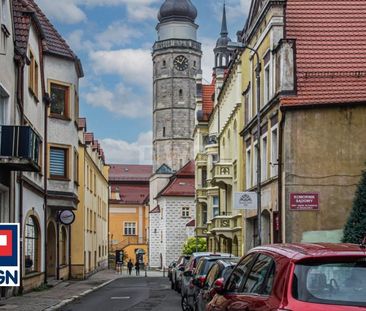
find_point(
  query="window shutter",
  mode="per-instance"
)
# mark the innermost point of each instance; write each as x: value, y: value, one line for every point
x: 57, y: 162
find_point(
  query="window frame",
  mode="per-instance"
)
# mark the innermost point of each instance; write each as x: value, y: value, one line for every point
x: 66, y: 175
x: 248, y: 167
x: 36, y: 244
x: 215, y: 206
x: 67, y: 103
x: 133, y: 227
x: 186, y: 212
x: 264, y: 157
x: 33, y: 75
x: 274, y: 157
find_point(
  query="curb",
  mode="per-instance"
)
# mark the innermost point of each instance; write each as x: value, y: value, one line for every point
x: 69, y: 300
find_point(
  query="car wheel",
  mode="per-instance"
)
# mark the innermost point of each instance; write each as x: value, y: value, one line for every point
x: 185, y: 305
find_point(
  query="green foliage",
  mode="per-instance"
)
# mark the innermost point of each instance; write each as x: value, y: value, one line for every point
x: 194, y: 244
x: 355, y: 229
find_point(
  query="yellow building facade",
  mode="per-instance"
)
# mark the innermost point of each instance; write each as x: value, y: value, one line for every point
x: 129, y: 211
x: 89, y: 242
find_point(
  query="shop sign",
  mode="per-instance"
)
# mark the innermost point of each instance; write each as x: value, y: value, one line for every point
x: 245, y: 200
x: 304, y: 201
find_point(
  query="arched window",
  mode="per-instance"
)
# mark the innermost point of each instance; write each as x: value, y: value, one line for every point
x: 31, y: 245
x: 180, y: 94
x: 63, y: 246
x: 164, y: 63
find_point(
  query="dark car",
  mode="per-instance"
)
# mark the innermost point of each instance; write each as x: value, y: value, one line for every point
x: 221, y: 269
x: 177, y: 271
x: 189, y: 274
x: 170, y: 268
x: 293, y: 277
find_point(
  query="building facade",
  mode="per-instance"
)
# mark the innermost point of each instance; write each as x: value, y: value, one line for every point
x: 89, y: 232
x: 173, y: 217
x: 309, y: 148
x: 129, y: 211
x: 176, y: 61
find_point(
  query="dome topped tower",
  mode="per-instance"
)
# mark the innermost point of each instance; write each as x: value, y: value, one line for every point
x: 177, y: 10
x: 177, y: 20
x: 222, y: 54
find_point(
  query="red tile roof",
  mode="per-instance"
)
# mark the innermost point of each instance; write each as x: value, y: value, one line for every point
x: 53, y: 42
x: 82, y: 124
x: 126, y: 172
x: 22, y: 15
x: 208, y: 92
x: 130, y: 194
x: 156, y: 210
x: 330, y: 50
x: 182, y: 183
x: 192, y: 223
x: 89, y: 138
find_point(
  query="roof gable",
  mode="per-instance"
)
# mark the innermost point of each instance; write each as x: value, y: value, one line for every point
x: 164, y: 169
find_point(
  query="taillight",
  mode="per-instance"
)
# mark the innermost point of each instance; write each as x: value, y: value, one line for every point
x: 202, y: 280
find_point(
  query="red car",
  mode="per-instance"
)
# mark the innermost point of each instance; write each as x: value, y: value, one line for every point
x: 294, y: 277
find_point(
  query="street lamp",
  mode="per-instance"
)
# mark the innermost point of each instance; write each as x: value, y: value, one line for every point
x: 241, y: 46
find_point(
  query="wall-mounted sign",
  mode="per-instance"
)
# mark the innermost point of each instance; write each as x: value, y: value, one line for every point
x: 304, y: 201
x: 245, y: 200
x: 66, y: 217
x: 9, y: 255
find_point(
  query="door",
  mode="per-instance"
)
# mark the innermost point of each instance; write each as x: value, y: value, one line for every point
x: 51, y: 250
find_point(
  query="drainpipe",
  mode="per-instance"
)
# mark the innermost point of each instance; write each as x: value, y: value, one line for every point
x: 280, y: 171
x: 69, y: 252
x: 57, y: 250
x: 20, y: 100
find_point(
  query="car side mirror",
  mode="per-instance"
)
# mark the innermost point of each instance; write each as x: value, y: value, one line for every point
x: 219, y: 286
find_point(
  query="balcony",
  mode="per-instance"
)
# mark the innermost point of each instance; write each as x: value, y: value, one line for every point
x: 19, y: 148
x: 222, y: 173
x: 201, y: 159
x: 201, y: 195
x: 226, y: 225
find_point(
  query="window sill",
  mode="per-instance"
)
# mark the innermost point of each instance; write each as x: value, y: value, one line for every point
x: 30, y: 275
x: 59, y: 117
x: 59, y: 178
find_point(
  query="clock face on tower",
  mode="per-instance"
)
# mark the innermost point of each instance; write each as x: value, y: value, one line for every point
x: 180, y: 63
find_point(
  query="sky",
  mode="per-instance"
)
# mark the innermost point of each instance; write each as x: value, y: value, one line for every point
x: 114, y: 39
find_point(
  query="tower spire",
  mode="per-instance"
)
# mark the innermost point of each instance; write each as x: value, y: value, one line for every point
x: 224, y: 31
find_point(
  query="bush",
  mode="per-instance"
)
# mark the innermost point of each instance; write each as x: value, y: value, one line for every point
x: 194, y: 244
x: 355, y: 229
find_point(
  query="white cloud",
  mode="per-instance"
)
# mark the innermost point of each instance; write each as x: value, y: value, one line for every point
x: 122, y: 101
x: 123, y: 152
x: 70, y: 11
x: 133, y: 65
x: 108, y: 38
x: 208, y: 58
x: 65, y: 11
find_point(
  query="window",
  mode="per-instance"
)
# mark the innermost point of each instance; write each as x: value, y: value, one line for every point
x: 274, y: 153
x: 164, y: 132
x: 204, y: 215
x: 204, y: 178
x: 341, y: 282
x: 264, y: 160
x: 4, y: 24
x: 33, y: 75
x: 180, y: 94
x: 59, y: 100
x: 58, y: 162
x: 260, y: 274
x: 164, y: 63
x: 212, y: 275
x: 31, y: 252
x: 215, y: 206
x: 248, y: 169
x: 130, y: 228
x: 237, y: 278
x: 267, y: 77
x: 255, y: 158
x: 4, y: 99
x: 76, y: 167
x: 185, y: 212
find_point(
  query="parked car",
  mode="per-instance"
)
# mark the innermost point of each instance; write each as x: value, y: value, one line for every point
x: 293, y: 277
x: 221, y: 269
x: 170, y: 268
x: 189, y: 273
x: 177, y: 271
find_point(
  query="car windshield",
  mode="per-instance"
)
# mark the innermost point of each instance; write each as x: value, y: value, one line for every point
x: 337, y: 283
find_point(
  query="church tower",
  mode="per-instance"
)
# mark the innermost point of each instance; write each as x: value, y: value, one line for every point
x: 176, y: 61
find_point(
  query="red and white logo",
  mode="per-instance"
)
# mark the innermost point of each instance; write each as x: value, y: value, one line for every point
x: 6, y: 243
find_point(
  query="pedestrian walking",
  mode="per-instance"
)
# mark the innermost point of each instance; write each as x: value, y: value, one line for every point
x: 137, y: 267
x: 129, y: 266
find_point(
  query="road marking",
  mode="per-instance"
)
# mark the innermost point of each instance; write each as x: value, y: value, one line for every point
x: 120, y: 298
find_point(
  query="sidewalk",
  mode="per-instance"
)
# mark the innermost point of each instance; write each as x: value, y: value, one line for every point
x: 66, y: 291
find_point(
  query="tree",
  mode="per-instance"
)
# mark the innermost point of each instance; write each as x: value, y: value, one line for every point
x: 194, y: 244
x: 355, y: 229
